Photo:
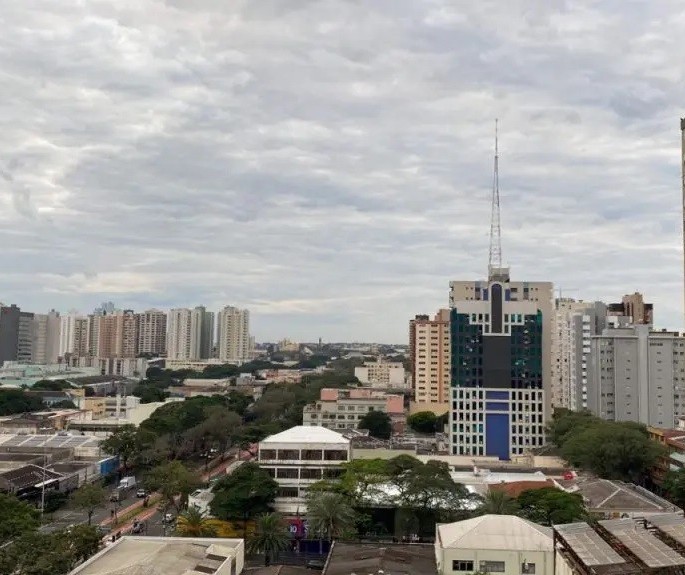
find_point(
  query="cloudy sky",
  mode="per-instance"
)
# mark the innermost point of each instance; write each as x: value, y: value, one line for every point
x: 328, y: 164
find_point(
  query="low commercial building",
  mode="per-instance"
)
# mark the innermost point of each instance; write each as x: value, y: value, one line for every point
x: 673, y: 457
x: 299, y: 457
x: 494, y: 544
x: 373, y: 558
x: 382, y: 374
x: 167, y: 555
x: 342, y: 409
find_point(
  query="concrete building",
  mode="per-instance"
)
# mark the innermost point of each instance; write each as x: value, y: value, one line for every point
x: 25, y: 337
x: 381, y: 373
x: 429, y: 353
x: 152, y: 332
x: 233, y: 334
x: 190, y: 334
x: 297, y: 458
x: 45, y: 338
x: 74, y: 335
x: 494, y: 544
x: 575, y: 322
x: 149, y: 555
x: 117, y: 334
x: 342, y: 409
x: 501, y: 340
x: 634, y: 308
x: 9, y: 333
x: 638, y: 375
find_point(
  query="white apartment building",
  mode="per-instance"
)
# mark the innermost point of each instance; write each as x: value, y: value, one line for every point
x: 575, y: 322
x: 297, y: 458
x: 638, y: 375
x: 152, y: 332
x: 429, y: 352
x: 45, y: 338
x: 68, y: 333
x: 190, y: 334
x: 381, y: 374
x: 233, y: 334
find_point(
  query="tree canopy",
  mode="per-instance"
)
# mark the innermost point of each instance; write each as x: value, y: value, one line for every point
x: 14, y: 401
x: 425, y: 422
x: 551, y: 506
x: 248, y: 492
x: 174, y: 481
x: 378, y: 423
x: 16, y: 517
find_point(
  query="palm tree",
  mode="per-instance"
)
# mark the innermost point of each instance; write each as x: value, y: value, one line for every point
x: 270, y: 537
x: 498, y: 503
x: 195, y: 523
x: 329, y: 514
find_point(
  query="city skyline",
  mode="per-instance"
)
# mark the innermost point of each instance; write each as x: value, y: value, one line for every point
x: 334, y: 179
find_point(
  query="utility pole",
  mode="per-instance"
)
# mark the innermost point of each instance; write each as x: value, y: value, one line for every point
x: 42, y: 494
x: 682, y: 158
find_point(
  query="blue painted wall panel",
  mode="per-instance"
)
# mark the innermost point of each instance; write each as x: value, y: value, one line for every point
x: 496, y: 395
x: 497, y: 435
x: 492, y: 406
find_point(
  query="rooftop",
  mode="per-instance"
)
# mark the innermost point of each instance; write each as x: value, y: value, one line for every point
x: 614, y: 496
x: 515, y: 488
x: 163, y: 556
x: 49, y: 441
x: 28, y: 476
x: 505, y: 532
x: 391, y: 558
x: 306, y: 434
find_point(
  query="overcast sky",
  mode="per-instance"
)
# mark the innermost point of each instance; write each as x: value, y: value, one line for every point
x: 328, y: 164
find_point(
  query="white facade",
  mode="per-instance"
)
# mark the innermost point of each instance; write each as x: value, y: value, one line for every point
x: 233, y: 334
x: 638, y: 375
x: 381, y: 374
x: 190, y: 334
x: 45, y: 334
x: 494, y: 544
x: 297, y: 458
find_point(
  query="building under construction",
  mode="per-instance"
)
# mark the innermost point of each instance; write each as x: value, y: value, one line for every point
x: 654, y: 545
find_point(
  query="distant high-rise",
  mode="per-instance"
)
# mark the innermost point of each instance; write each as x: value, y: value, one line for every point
x: 634, y: 308
x: 73, y: 335
x: 45, y: 334
x: 9, y: 333
x: 233, y: 334
x: 152, y: 331
x: 190, y: 333
x: 429, y: 356
x: 115, y: 334
x: 25, y: 338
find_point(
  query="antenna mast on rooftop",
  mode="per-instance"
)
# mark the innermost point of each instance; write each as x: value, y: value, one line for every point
x: 495, y: 258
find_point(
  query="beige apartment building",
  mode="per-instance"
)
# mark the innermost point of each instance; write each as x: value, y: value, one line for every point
x: 341, y: 409
x: 152, y: 332
x: 117, y: 334
x: 381, y: 374
x: 233, y: 334
x: 429, y: 349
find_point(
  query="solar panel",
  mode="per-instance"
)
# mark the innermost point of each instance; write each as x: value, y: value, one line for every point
x: 672, y: 524
x: 643, y: 544
x: 588, y: 545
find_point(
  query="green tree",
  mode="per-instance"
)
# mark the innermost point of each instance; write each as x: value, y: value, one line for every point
x: 362, y: 479
x: 330, y: 514
x: 123, y: 443
x: 51, y: 385
x: 498, y: 502
x: 54, y: 500
x: 378, y: 424
x: 150, y: 393
x: 84, y: 541
x: 89, y: 498
x: 248, y: 492
x: 565, y: 423
x: 194, y: 523
x: 612, y: 450
x: 37, y: 553
x: 174, y: 481
x: 16, y: 517
x: 674, y: 486
x: 17, y: 401
x: 271, y: 536
x: 551, y: 506
x: 64, y: 404
x: 423, y: 422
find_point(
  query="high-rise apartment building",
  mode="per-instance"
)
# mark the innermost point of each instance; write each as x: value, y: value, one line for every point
x: 233, y: 334
x: 501, y: 365
x: 634, y: 308
x: 429, y: 355
x: 116, y: 334
x: 638, y: 375
x: 190, y: 333
x: 25, y: 338
x: 575, y: 322
x: 9, y: 333
x: 152, y: 331
x: 45, y: 335
x: 73, y: 335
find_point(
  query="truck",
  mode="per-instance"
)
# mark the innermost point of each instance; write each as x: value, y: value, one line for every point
x: 126, y: 484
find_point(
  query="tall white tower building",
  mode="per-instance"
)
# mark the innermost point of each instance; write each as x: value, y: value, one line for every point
x: 233, y: 334
x: 190, y: 333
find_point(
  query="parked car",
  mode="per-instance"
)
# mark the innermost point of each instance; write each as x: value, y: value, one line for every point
x: 141, y: 493
x: 138, y: 527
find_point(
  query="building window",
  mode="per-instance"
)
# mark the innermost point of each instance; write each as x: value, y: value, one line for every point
x: 287, y: 492
x: 527, y: 568
x: 492, y: 566
x: 462, y: 565
x: 266, y: 454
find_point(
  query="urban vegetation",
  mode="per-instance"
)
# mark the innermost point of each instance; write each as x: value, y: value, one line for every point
x: 271, y: 536
x: 378, y: 423
x: 194, y: 523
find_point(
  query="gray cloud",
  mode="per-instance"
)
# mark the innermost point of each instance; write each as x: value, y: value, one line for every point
x: 328, y: 164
